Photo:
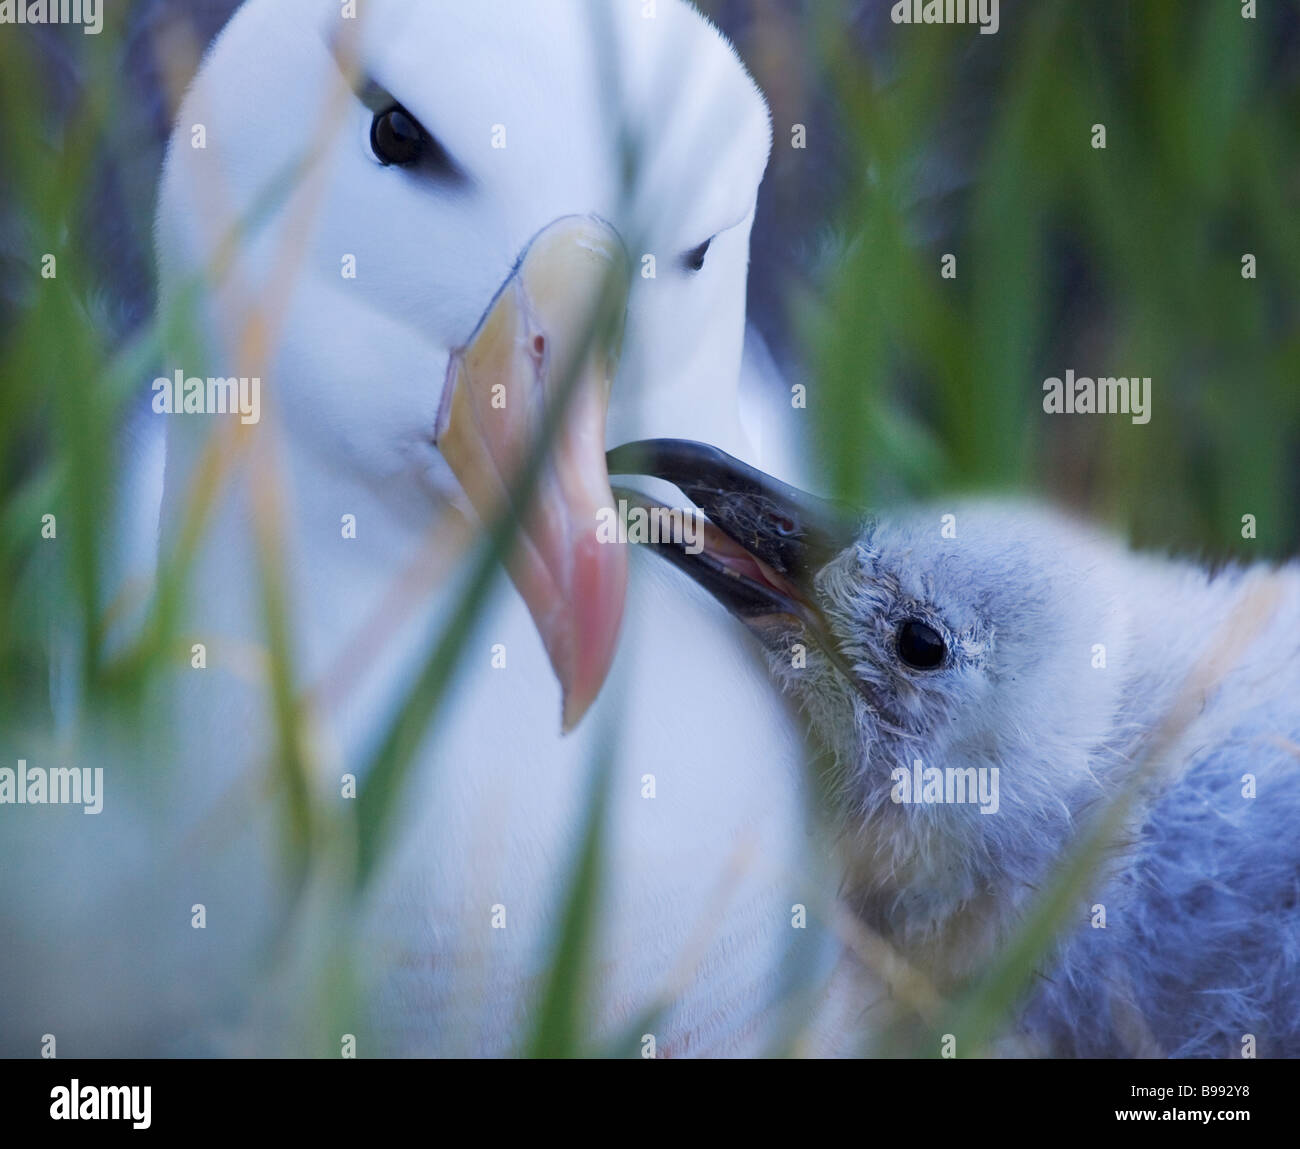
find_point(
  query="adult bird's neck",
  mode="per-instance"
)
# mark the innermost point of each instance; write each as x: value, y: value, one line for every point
x: 354, y: 556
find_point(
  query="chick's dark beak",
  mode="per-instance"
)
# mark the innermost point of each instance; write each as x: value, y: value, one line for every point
x: 765, y: 541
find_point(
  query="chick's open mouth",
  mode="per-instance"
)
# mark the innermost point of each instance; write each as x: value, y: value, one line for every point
x: 755, y: 543
x: 747, y: 585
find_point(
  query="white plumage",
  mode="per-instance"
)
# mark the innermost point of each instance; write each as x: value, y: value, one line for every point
x: 702, y: 877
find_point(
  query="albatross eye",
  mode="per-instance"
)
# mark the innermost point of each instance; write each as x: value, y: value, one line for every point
x: 693, y: 260
x: 396, y: 138
x: 919, y: 645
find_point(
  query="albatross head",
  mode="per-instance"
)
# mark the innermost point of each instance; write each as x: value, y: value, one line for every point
x: 964, y: 636
x: 434, y: 204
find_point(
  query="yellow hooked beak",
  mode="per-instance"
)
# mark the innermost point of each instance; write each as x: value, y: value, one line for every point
x: 543, y: 332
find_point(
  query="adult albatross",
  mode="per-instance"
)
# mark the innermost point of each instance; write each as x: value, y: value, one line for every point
x: 408, y: 302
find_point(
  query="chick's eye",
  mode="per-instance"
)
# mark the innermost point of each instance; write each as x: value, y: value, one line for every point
x: 396, y: 138
x: 693, y: 260
x: 920, y: 646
